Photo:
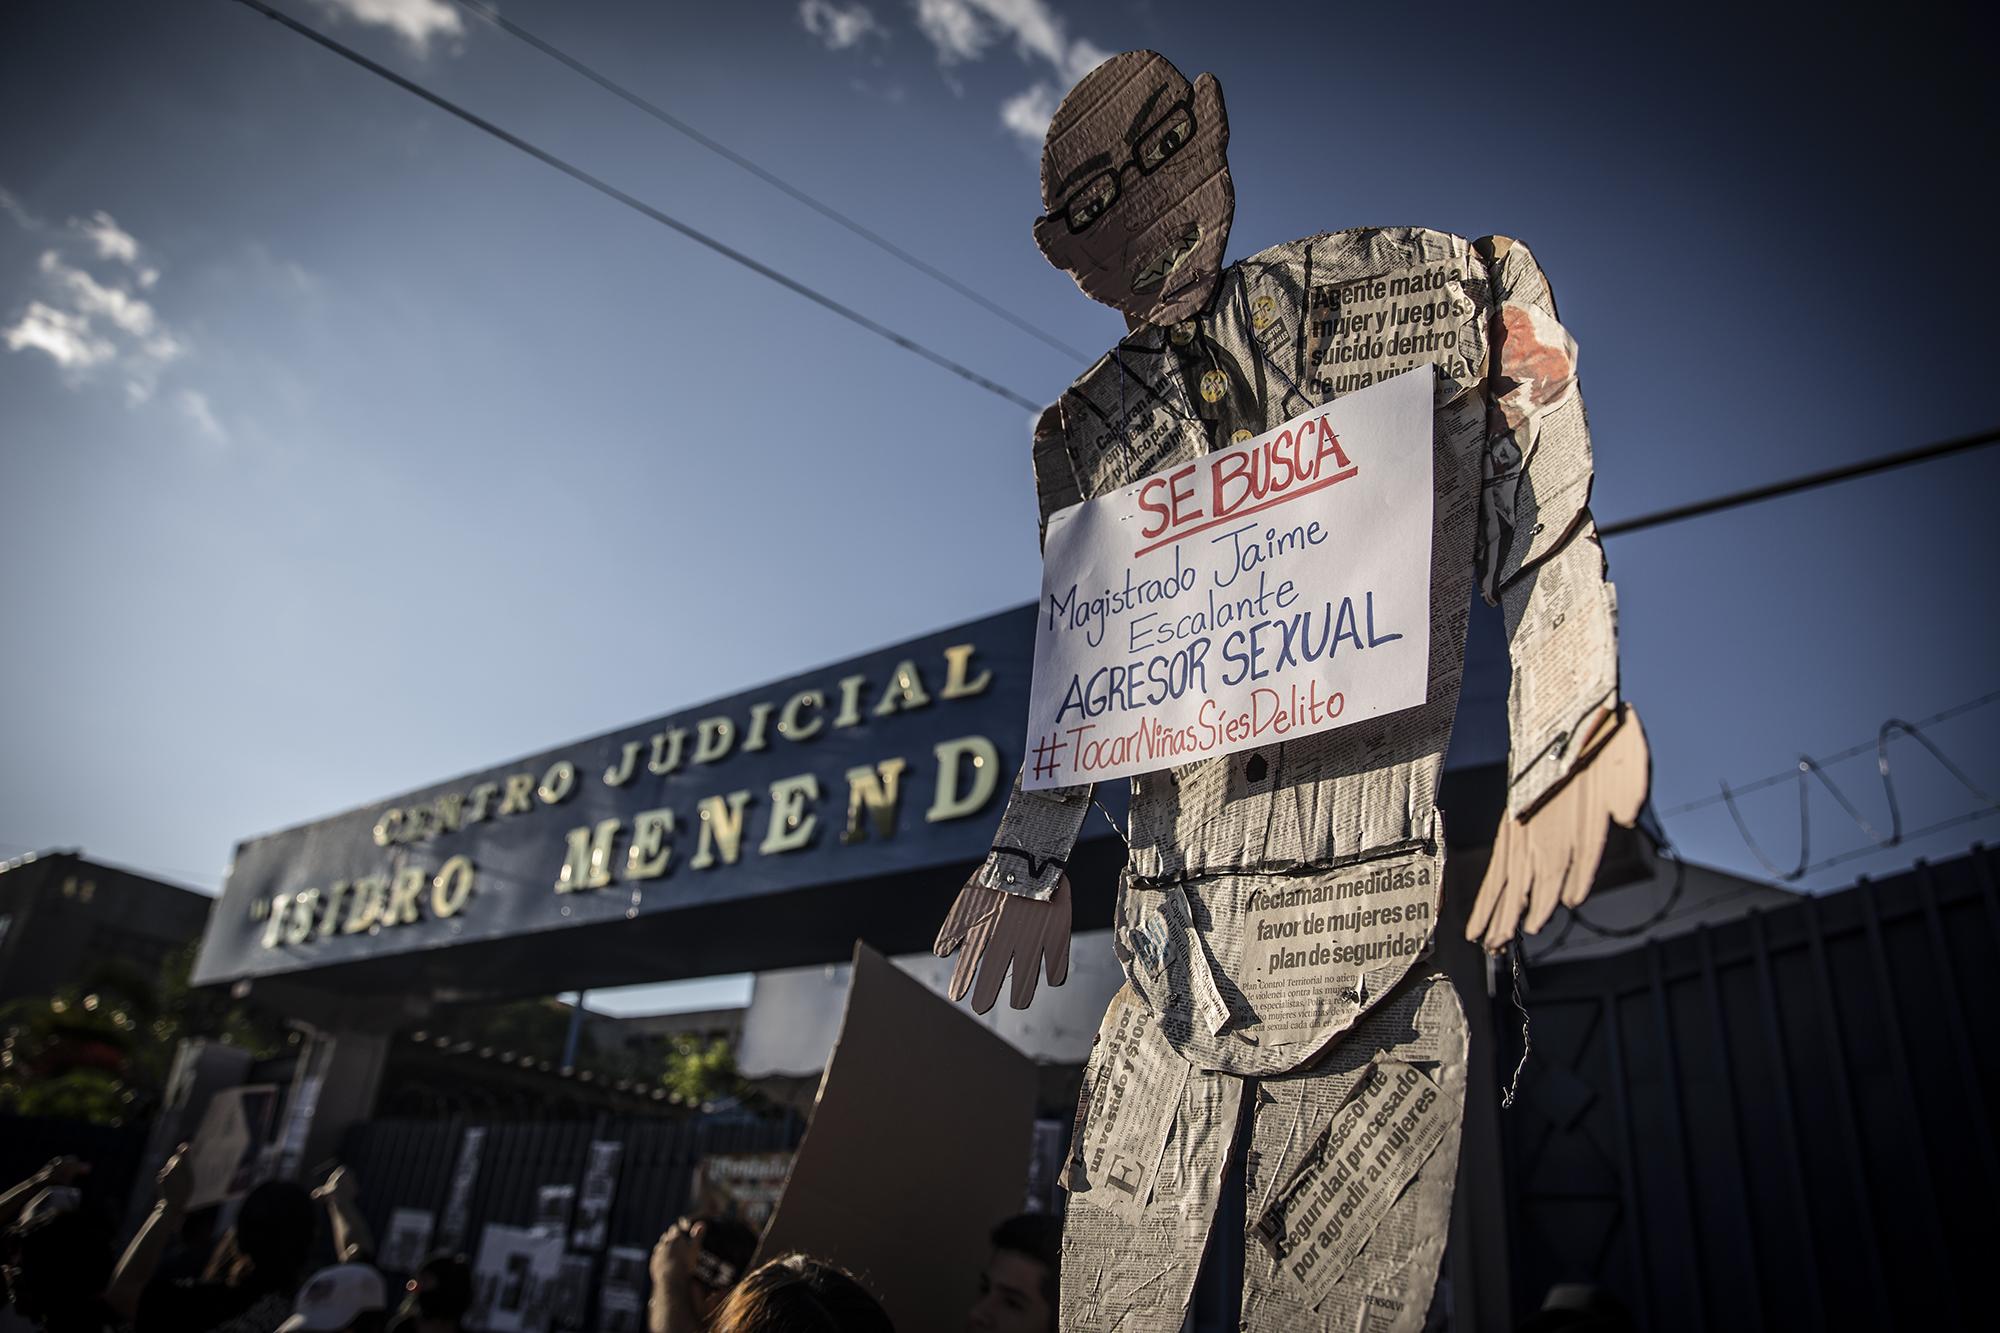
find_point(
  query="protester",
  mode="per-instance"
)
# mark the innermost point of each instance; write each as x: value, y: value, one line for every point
x: 694, y: 1265
x: 60, y: 1173
x: 249, y: 1287
x: 440, y: 1294
x: 352, y: 1242
x: 346, y: 1298
x: 796, y: 1294
x: 1017, y: 1292
x: 57, y: 1262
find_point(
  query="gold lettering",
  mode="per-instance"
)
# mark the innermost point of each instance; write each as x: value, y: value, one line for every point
x: 557, y: 783
x: 667, y: 750
x: 274, y: 929
x: 588, y: 865
x: 520, y: 797
x: 789, y: 725
x: 947, y: 803
x: 873, y: 790
x: 721, y: 830
x: 416, y: 824
x: 651, y: 832
x: 958, y: 667
x: 305, y: 915
x: 792, y: 819
x: 404, y: 891
x: 451, y: 887
x: 335, y: 906
x: 449, y: 807
x: 760, y: 717
x: 850, y: 701
x: 714, y: 737
x: 370, y: 902
x: 482, y: 801
x: 628, y: 764
x: 904, y: 691
x: 387, y: 826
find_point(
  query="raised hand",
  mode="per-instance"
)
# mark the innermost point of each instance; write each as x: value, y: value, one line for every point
x: 176, y: 1180
x: 1550, y: 857
x: 991, y: 930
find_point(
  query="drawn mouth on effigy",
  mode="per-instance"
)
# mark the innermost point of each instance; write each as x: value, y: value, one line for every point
x: 1167, y: 260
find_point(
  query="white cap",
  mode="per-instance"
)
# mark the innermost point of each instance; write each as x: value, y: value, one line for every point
x: 332, y: 1297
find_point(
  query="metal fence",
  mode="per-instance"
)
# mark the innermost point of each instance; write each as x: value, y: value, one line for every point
x: 412, y: 1163
x: 1785, y: 1122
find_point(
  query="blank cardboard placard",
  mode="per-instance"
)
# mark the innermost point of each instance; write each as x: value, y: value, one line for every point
x: 234, y: 1128
x: 918, y: 1145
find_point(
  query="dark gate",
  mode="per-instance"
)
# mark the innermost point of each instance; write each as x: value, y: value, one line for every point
x: 411, y: 1163
x: 1785, y: 1122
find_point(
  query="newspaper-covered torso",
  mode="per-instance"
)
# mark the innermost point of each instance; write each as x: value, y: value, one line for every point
x: 1255, y: 920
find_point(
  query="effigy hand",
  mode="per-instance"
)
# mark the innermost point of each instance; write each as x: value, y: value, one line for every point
x: 991, y: 930
x: 1550, y: 857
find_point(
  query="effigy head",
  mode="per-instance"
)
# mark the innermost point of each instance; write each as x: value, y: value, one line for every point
x: 1135, y: 178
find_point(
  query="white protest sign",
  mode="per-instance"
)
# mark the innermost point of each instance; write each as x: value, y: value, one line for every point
x: 1273, y: 589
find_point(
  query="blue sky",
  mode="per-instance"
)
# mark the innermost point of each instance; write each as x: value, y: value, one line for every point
x: 343, y: 448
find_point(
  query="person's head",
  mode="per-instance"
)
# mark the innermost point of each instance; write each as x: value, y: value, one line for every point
x: 440, y: 1292
x: 1017, y: 1292
x: 795, y: 1294
x: 274, y: 1231
x: 727, y: 1246
x: 1135, y: 181
x: 346, y: 1298
x: 57, y: 1264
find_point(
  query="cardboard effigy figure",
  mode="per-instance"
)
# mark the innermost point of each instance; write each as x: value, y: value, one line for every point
x: 1350, y: 1073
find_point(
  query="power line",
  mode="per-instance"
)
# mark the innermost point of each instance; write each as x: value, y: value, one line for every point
x: 639, y: 206
x: 770, y: 178
x: 1922, y: 453
x: 1620, y: 528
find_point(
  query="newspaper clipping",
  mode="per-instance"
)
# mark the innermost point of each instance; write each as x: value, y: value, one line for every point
x: 453, y: 1233
x: 1562, y: 628
x: 409, y: 1239
x: 600, y: 1183
x: 621, y: 1299
x: 1131, y: 1090
x: 1291, y: 960
x: 1372, y: 1150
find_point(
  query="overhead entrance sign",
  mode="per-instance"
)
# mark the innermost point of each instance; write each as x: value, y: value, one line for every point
x: 868, y: 769
x: 1273, y: 589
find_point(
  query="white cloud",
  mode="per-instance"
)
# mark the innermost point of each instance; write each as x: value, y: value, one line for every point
x: 112, y: 241
x: 1029, y: 112
x: 415, y: 21
x: 193, y: 404
x: 93, y: 325
x: 23, y: 219
x: 93, y: 298
x: 961, y: 31
x: 64, y: 336
x: 839, y: 28
x: 953, y: 29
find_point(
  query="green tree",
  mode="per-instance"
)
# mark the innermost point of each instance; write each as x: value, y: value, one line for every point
x: 699, y: 1071
x: 100, y: 1049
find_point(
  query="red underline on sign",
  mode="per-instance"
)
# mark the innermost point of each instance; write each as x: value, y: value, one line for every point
x: 1319, y: 485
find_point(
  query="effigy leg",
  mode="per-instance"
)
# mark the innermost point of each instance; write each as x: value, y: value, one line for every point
x: 1350, y: 1172
x: 1151, y: 1142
